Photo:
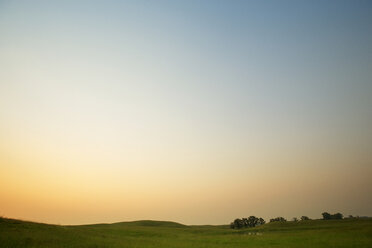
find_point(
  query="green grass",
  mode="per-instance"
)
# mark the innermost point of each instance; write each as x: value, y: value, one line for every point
x: 143, y: 234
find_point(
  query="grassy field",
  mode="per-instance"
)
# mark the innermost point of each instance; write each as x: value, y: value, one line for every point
x: 143, y: 234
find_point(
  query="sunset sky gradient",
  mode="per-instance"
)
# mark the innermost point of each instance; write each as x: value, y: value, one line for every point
x: 192, y: 111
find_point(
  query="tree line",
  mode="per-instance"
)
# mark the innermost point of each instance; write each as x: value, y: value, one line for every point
x: 253, y: 221
x: 328, y: 216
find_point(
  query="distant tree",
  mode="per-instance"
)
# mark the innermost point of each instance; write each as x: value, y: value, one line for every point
x: 238, y: 223
x: 251, y: 221
x: 261, y: 222
x: 305, y: 218
x: 326, y: 216
x: 245, y: 222
x: 337, y: 216
x: 295, y: 219
x: 278, y: 219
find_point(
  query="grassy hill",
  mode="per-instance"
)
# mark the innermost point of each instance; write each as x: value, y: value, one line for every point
x: 148, y: 234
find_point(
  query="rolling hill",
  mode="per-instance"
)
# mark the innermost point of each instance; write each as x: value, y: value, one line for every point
x: 147, y: 233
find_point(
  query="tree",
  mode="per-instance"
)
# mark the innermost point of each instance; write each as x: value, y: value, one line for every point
x: 238, y: 223
x: 261, y: 222
x: 245, y: 222
x: 278, y: 219
x: 326, y: 216
x: 304, y: 218
x: 251, y: 221
x: 295, y: 219
x: 337, y: 216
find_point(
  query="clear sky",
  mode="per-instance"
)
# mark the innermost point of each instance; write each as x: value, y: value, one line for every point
x: 192, y: 111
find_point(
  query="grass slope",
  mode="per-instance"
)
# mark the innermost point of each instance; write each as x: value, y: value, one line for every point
x: 315, y: 233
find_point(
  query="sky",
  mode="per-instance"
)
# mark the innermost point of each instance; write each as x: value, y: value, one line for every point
x: 198, y: 112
